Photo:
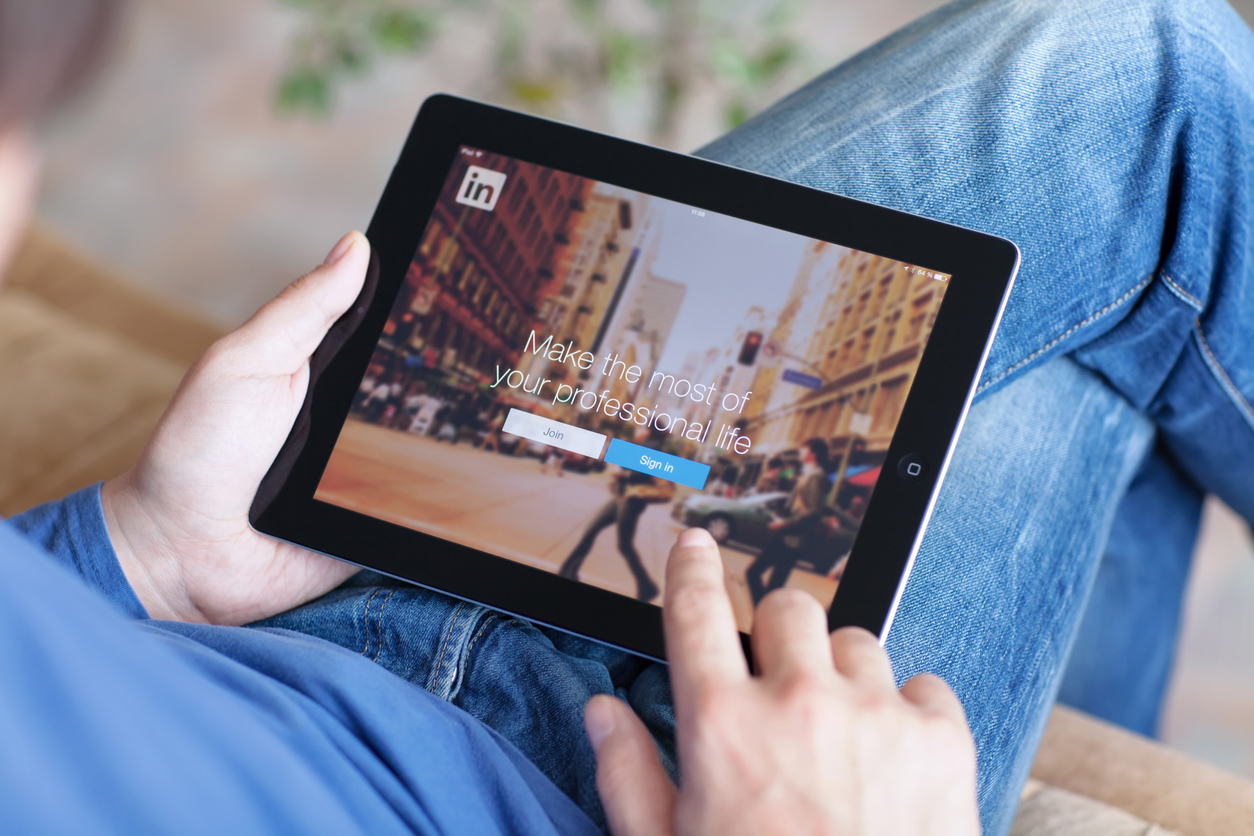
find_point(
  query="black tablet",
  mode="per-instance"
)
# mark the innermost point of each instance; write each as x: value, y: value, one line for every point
x: 570, y: 347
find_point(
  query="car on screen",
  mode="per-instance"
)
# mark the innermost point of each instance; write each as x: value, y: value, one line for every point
x: 745, y: 520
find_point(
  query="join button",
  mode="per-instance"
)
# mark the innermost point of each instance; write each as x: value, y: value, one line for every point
x: 553, y: 433
x: 656, y: 463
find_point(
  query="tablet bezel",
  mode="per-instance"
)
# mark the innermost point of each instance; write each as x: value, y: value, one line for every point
x: 982, y: 268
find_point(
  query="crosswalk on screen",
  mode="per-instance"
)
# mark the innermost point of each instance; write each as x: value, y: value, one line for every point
x: 573, y: 373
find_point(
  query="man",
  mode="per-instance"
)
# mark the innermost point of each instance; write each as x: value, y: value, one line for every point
x: 1111, y: 139
x: 806, y: 532
x: 631, y: 494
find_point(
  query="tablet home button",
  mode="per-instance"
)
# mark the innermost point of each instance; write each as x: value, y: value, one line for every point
x: 912, y: 467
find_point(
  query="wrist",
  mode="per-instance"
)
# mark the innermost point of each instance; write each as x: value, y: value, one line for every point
x: 144, y: 554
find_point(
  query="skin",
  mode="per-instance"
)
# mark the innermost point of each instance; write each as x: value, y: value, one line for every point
x: 818, y: 740
x: 19, y: 176
x: 179, y: 518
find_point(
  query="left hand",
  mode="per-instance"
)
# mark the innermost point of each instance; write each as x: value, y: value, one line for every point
x: 178, y: 519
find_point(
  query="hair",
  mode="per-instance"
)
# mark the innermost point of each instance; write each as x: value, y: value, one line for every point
x: 48, y: 49
x: 822, y: 454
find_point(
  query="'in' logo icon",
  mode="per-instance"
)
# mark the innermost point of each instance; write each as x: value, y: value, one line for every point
x: 481, y: 187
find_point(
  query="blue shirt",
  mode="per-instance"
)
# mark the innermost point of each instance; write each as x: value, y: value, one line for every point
x: 113, y: 723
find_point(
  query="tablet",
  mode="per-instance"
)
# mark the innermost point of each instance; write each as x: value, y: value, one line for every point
x: 570, y: 347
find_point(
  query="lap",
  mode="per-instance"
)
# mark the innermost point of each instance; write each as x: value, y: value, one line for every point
x: 528, y: 683
x: 1103, y: 344
x: 995, y: 596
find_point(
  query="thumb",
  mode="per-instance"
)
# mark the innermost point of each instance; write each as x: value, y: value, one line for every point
x: 637, y: 794
x: 282, y: 335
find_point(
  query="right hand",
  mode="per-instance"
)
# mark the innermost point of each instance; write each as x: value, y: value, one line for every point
x: 819, y: 741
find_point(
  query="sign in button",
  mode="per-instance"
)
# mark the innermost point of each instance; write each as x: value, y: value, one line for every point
x: 659, y: 464
x: 554, y: 433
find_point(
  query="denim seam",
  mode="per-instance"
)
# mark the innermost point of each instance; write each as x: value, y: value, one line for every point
x: 1182, y: 294
x: 365, y: 621
x: 1087, y: 321
x: 459, y: 673
x: 479, y: 634
x: 379, y: 625
x: 447, y: 636
x: 1225, y: 382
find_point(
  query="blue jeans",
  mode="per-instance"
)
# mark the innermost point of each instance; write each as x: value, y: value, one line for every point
x: 1113, y: 141
x: 529, y: 683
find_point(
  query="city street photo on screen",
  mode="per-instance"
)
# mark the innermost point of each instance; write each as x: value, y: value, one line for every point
x: 574, y: 372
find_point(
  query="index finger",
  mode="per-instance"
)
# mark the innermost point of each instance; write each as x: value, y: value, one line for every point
x: 702, y: 641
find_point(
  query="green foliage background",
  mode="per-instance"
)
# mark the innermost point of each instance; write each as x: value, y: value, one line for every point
x: 654, y: 51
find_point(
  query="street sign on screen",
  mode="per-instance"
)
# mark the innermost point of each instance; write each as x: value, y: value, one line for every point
x: 807, y: 380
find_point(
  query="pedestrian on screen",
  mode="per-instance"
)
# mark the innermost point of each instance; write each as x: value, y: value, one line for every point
x: 800, y: 529
x: 632, y: 493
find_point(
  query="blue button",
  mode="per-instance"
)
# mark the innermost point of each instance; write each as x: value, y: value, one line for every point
x: 656, y: 463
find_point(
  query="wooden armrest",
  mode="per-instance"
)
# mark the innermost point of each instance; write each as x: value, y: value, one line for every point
x: 48, y: 267
x: 1092, y: 758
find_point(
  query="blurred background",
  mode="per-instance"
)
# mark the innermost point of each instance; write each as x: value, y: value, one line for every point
x: 230, y: 144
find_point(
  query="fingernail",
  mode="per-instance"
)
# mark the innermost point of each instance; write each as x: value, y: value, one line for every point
x: 694, y: 537
x: 337, y: 252
x: 598, y: 719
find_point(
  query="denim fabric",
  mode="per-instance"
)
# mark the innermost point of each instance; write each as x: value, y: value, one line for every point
x: 1121, y: 661
x: 530, y: 684
x: 1112, y: 141
x: 1002, y: 576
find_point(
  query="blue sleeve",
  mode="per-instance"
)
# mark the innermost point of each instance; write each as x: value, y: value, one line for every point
x: 121, y: 727
x: 73, y: 531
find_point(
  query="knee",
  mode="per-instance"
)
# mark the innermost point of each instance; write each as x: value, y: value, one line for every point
x: 1100, y: 17
x: 1113, y: 65
x: 1120, y: 33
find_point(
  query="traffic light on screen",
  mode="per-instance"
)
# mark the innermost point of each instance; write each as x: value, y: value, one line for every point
x: 749, y: 350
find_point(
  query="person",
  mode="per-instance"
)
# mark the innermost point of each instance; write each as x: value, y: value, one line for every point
x: 631, y: 493
x: 812, y: 531
x: 364, y: 391
x: 1110, y: 139
x: 443, y: 420
x: 466, y: 417
x: 769, y: 481
x: 414, y: 402
x: 495, y: 425
x: 377, y: 402
x: 554, y: 460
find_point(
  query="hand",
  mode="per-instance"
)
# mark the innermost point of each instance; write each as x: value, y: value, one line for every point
x: 178, y: 520
x: 820, y: 741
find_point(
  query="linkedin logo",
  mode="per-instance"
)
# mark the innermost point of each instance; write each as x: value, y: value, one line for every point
x: 481, y: 187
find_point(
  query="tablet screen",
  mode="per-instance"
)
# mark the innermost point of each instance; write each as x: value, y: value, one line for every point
x: 573, y: 372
